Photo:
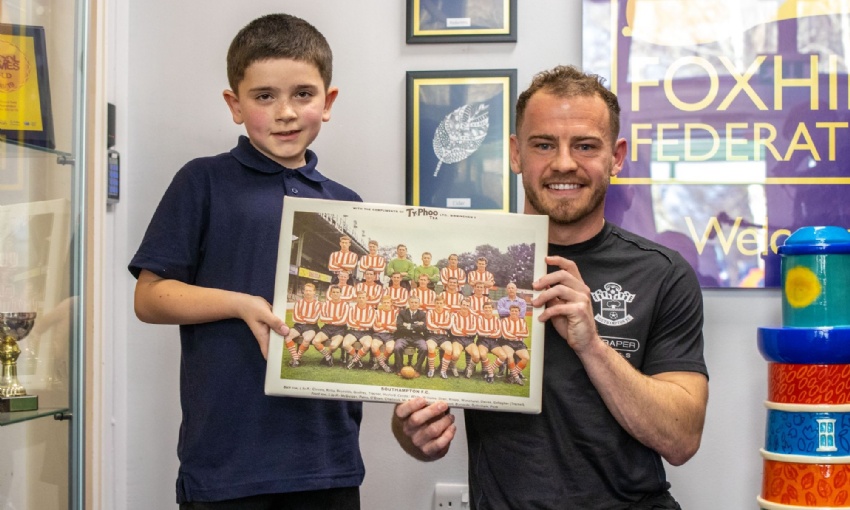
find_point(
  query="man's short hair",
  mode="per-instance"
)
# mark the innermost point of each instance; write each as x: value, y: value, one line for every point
x: 569, y: 81
x: 481, y: 259
x: 277, y: 36
x: 311, y: 285
x: 344, y: 238
x: 427, y: 253
x: 372, y: 241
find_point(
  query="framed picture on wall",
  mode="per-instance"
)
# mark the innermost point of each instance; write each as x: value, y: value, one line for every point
x: 458, y: 127
x: 459, y: 21
x: 25, y: 111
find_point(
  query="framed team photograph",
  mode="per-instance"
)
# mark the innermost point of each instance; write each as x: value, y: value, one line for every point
x: 388, y: 302
x: 461, y: 21
x: 25, y: 108
x: 458, y: 129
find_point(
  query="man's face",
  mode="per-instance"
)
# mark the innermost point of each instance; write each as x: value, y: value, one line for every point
x: 423, y: 282
x: 373, y: 249
x: 464, y: 307
x: 478, y: 290
x: 369, y: 276
x: 514, y: 313
x: 386, y: 303
x: 563, y: 152
x: 413, y: 304
x: 453, y: 261
x: 343, y: 277
x: 344, y: 244
x: 361, y: 299
x: 426, y: 259
x: 452, y: 286
x: 511, y: 288
x: 401, y: 251
x: 482, y: 266
x: 439, y: 303
x: 396, y: 279
x: 334, y: 294
x: 487, y: 309
x: 309, y: 293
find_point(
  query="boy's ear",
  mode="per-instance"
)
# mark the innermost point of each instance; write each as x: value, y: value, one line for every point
x: 330, y: 97
x: 232, y: 101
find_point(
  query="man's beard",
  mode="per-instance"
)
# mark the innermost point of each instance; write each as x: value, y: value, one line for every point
x: 567, y: 212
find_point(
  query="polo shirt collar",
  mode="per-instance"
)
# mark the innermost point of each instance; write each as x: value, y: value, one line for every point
x: 249, y: 156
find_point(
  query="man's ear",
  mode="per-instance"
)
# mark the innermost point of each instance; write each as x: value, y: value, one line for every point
x: 620, y: 152
x: 232, y: 100
x: 514, y: 155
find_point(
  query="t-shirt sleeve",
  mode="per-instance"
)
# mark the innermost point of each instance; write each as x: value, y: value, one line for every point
x: 676, y: 341
x: 174, y: 241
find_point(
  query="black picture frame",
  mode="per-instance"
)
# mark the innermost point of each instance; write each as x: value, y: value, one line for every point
x: 461, y: 21
x: 458, y: 129
x: 24, y: 85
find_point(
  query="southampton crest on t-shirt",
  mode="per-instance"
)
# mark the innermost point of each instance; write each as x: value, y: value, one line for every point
x: 613, y: 302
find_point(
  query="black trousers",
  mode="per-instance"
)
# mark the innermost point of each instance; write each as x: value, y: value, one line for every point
x: 347, y: 498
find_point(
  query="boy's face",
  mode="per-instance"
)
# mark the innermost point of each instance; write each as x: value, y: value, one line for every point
x: 282, y: 103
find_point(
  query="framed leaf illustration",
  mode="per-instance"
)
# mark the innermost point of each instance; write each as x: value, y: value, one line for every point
x: 458, y: 126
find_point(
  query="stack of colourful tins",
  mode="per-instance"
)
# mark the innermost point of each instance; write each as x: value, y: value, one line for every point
x: 807, y: 438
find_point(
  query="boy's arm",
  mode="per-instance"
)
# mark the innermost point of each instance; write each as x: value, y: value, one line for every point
x: 165, y: 301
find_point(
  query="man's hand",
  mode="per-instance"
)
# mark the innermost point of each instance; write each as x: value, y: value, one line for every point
x: 424, y: 431
x: 568, y: 303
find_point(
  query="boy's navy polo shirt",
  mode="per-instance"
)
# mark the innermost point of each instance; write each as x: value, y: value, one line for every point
x: 218, y: 225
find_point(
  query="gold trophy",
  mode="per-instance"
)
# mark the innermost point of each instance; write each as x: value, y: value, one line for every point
x: 14, y: 326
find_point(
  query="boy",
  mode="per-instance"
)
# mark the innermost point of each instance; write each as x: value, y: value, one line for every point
x: 191, y: 271
x: 305, y: 318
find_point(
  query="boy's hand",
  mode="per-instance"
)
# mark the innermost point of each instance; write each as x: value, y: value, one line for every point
x: 257, y: 314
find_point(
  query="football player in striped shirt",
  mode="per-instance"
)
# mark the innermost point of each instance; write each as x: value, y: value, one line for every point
x: 397, y: 292
x: 489, y: 335
x: 514, y: 332
x: 334, y: 318
x: 481, y: 275
x: 464, y: 329
x: 426, y: 295
x: 305, y: 318
x: 438, y: 322
x: 346, y: 290
x: 373, y: 261
x: 344, y: 259
x: 452, y: 271
x: 361, y: 318
x: 452, y: 294
x: 383, y: 333
x: 478, y: 298
x: 373, y: 289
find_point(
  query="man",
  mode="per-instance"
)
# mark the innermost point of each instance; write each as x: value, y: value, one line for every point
x: 372, y: 261
x: 478, y: 298
x: 452, y: 271
x: 334, y: 317
x: 481, y: 275
x: 402, y: 265
x: 511, y: 299
x: 373, y: 289
x: 305, y: 318
x: 383, y: 331
x: 410, y: 331
x: 607, y: 420
x: 438, y: 322
x: 396, y: 292
x: 361, y: 318
x: 432, y: 272
x: 452, y: 294
x: 514, y: 333
x: 424, y: 293
x: 347, y: 292
x: 344, y: 259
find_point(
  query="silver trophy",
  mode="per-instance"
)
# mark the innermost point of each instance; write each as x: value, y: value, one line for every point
x: 14, y: 327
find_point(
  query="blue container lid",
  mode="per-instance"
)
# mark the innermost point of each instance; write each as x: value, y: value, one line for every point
x: 805, y: 346
x: 816, y: 240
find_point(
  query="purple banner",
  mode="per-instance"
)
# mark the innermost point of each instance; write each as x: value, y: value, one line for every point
x: 737, y: 120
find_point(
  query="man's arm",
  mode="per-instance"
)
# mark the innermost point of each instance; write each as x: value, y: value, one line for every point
x: 165, y: 301
x: 665, y: 412
x: 424, y: 431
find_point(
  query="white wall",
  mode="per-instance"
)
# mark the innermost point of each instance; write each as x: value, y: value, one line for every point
x: 170, y: 71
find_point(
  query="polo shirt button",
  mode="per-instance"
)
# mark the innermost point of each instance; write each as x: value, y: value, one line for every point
x: 294, y: 191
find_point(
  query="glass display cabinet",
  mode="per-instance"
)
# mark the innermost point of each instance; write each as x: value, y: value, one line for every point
x: 42, y: 182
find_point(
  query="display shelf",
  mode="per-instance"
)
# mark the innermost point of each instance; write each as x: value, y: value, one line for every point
x: 22, y: 416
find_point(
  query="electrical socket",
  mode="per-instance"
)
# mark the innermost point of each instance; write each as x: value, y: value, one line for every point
x: 451, y: 496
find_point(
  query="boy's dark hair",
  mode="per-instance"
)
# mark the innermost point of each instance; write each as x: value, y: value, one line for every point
x: 569, y: 81
x: 278, y: 36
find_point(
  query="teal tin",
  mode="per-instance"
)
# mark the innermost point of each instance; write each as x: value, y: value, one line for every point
x: 816, y: 278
